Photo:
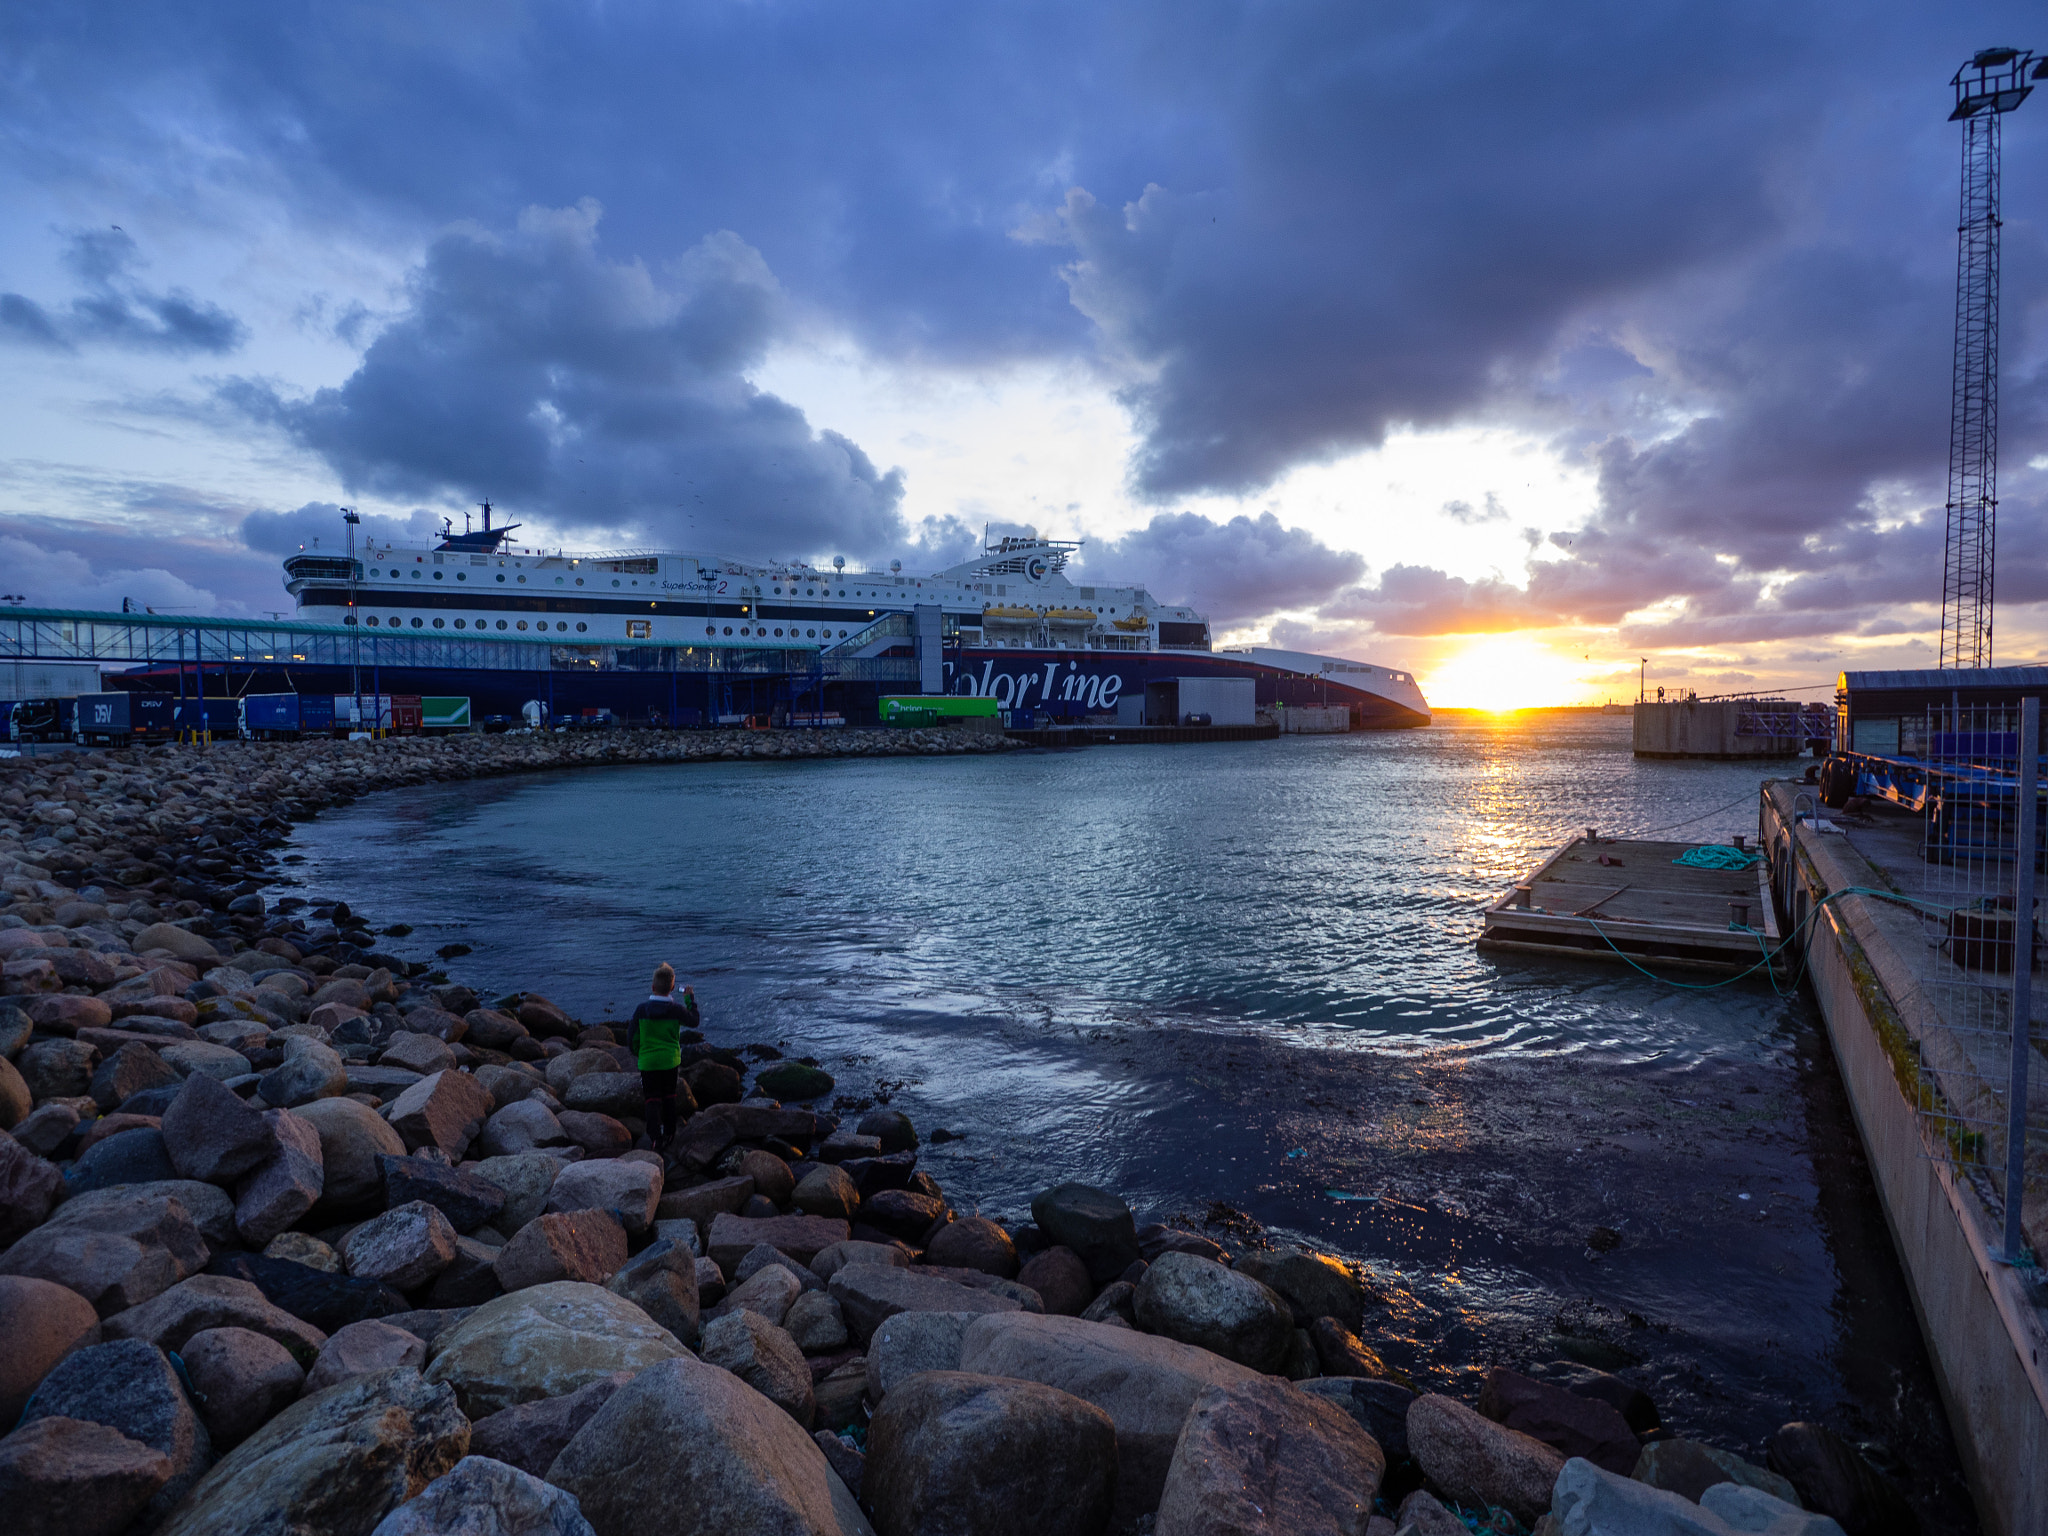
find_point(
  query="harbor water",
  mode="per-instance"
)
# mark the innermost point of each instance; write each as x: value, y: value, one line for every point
x: 1237, y: 984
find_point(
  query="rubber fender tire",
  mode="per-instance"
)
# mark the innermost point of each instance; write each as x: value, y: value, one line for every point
x: 1837, y: 783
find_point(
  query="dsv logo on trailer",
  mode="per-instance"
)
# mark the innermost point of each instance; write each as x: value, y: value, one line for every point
x: 1091, y: 691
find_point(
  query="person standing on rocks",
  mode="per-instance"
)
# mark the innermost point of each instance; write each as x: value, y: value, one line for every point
x: 655, y: 1035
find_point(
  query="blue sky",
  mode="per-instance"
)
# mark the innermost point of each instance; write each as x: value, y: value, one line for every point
x: 1496, y: 341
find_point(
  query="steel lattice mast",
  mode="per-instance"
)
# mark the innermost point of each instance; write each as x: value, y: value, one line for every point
x: 1989, y: 86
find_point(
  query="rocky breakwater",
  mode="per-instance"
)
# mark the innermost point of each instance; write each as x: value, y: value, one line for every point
x: 295, y: 1236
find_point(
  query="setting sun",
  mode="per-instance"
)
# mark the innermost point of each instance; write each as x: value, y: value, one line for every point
x: 1502, y: 672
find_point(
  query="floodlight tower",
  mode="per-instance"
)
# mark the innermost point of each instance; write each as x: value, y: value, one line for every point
x: 1993, y: 83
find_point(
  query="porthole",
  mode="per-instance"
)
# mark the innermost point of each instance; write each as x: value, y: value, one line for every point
x: 778, y: 634
x: 809, y: 593
x: 522, y: 623
x: 563, y: 627
x: 393, y: 621
x: 418, y: 623
x: 440, y: 575
x: 459, y: 624
x: 579, y: 581
x: 615, y: 581
x: 415, y: 575
x: 440, y: 623
x: 710, y: 629
x: 372, y: 621
x: 778, y: 591
x: 728, y: 629
x: 744, y: 630
x: 810, y: 634
x: 501, y: 575
x: 462, y: 575
x: 558, y: 582
x: 522, y: 581
x: 842, y: 634
x: 581, y: 627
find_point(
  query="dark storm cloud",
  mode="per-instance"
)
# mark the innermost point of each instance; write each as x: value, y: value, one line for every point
x: 594, y: 394
x: 115, y: 310
x: 1234, y: 570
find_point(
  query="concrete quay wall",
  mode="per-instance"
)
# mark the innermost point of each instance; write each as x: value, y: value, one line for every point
x: 1984, y: 1333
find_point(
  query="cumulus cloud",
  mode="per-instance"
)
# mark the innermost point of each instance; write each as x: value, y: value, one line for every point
x: 116, y: 310
x: 593, y: 394
x: 1240, y: 569
x: 60, y: 578
x: 1488, y: 511
x: 319, y: 522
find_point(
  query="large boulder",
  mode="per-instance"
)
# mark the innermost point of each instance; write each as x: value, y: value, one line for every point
x: 545, y: 1341
x: 133, y: 1068
x: 1688, y: 1469
x: 181, y: 943
x: 973, y: 1242
x: 404, y: 1248
x: 1262, y: 1456
x: 465, y: 1199
x: 765, y: 1358
x: 16, y: 1102
x: 213, y: 1134
x: 362, y: 1349
x: 768, y: 1293
x: 28, y: 1187
x: 131, y: 1387
x: 801, y: 1237
x: 586, y: 1246
x: 911, y: 1343
x: 213, y: 1301
x: 705, y: 1202
x: 326, y: 1299
x: 1380, y: 1408
x: 67, y: 1477
x: 1312, y: 1284
x: 132, y: 1250
x: 826, y: 1191
x: 482, y: 1497
x: 279, y: 1191
x: 827, y: 1262
x: 710, y: 1453
x: 133, y: 1156
x: 57, y: 1069
x: 661, y: 1280
x: 530, y: 1436
x: 525, y: 1179
x: 1590, y: 1502
x: 1145, y: 1384
x: 949, y: 1451
x: 870, y: 1294
x: 44, y: 1323
x: 311, y: 1070
x: 336, y: 1463
x: 1096, y: 1224
x: 523, y: 1126
x: 817, y: 1324
x: 631, y: 1190
x: 243, y: 1380
x: 446, y: 1110
x: 352, y: 1137
x: 1574, y: 1425
x: 1198, y: 1301
x: 1476, y: 1461
x: 1832, y: 1477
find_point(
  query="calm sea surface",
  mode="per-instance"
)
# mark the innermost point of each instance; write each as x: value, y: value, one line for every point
x: 1237, y: 982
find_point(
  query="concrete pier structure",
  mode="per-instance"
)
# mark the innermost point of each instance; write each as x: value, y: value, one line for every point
x: 1724, y: 729
x: 1911, y: 1080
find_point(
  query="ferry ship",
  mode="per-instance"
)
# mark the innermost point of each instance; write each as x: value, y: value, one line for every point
x: 1010, y: 624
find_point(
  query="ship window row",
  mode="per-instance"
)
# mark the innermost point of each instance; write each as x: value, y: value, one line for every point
x: 374, y: 621
x: 337, y: 597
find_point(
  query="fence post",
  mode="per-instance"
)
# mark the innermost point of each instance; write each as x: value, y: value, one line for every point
x: 2022, y: 979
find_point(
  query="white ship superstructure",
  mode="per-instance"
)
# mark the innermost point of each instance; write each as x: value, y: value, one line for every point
x: 1015, y: 597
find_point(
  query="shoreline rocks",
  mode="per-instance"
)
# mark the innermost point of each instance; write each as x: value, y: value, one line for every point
x: 416, y: 1257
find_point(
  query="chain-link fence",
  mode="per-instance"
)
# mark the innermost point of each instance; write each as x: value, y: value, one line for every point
x: 1983, y: 943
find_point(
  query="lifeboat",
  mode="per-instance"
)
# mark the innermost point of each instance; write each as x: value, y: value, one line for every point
x: 1137, y: 623
x: 1012, y: 615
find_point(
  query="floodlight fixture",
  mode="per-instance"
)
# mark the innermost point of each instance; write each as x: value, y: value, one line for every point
x: 1995, y: 80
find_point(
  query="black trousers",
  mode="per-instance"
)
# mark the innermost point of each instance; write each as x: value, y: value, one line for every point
x: 658, y: 1087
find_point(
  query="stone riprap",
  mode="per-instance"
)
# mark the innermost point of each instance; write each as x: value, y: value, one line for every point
x: 297, y: 1234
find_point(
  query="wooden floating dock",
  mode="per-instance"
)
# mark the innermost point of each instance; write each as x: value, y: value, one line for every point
x: 1597, y: 895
